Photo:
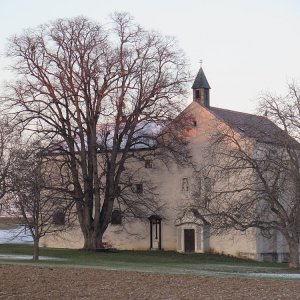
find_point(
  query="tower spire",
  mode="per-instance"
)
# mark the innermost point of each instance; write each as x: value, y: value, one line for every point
x: 201, y: 88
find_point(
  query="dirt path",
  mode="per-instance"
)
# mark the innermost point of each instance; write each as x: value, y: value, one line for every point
x: 23, y: 282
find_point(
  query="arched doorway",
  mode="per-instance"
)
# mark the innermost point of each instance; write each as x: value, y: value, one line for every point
x: 192, y: 233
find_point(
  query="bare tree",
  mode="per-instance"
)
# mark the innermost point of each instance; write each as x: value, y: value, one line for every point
x: 100, y: 94
x: 253, y: 169
x: 8, y: 137
x: 37, y: 195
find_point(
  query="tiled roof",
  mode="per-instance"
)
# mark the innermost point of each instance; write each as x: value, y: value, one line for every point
x: 258, y: 127
x: 200, y: 81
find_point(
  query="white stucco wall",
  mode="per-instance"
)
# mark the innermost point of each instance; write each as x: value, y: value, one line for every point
x: 174, y: 200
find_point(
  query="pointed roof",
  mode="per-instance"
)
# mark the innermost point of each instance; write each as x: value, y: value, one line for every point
x: 200, y: 81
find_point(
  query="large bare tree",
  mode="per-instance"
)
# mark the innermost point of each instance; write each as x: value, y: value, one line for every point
x: 100, y: 94
x: 253, y: 172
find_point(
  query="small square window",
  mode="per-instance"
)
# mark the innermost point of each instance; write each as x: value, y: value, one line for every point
x: 185, y: 184
x: 116, y: 217
x: 139, y: 188
x: 58, y: 218
x: 148, y: 164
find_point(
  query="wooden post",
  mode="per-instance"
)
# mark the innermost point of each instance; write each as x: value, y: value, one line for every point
x: 151, y: 243
x: 159, y: 242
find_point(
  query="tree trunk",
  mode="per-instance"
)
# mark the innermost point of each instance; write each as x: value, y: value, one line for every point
x: 36, y: 242
x: 93, y: 231
x: 92, y: 240
x: 294, y: 254
x: 36, y: 249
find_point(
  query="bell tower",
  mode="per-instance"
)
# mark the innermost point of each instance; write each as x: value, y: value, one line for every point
x: 201, y: 89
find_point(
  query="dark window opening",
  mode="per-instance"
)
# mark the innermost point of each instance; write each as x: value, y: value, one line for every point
x: 185, y: 184
x: 59, y: 218
x: 118, y: 191
x: 139, y: 188
x: 194, y: 123
x: 116, y: 217
x: 197, y: 94
x: 148, y: 164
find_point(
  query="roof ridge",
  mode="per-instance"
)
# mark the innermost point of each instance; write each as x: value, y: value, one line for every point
x: 235, y: 111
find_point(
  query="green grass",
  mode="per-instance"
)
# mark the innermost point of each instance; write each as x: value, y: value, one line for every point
x: 148, y: 261
x: 5, y: 225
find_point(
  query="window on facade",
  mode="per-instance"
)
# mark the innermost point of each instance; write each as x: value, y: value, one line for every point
x: 116, y: 217
x: 148, y: 164
x: 197, y: 94
x: 207, y: 185
x: 138, y: 188
x: 185, y: 184
x: 206, y: 202
x: 59, y: 218
x: 118, y: 191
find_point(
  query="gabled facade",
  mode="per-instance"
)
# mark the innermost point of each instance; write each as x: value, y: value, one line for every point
x: 178, y: 227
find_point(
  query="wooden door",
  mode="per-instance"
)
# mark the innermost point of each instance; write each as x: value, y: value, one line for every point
x: 189, y: 240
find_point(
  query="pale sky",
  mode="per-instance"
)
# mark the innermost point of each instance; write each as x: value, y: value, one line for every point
x: 247, y: 46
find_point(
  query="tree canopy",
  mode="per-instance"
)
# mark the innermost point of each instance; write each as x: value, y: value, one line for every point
x: 87, y: 88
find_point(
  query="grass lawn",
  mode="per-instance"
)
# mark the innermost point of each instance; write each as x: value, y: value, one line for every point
x: 159, y: 275
x: 148, y: 261
x: 5, y: 225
